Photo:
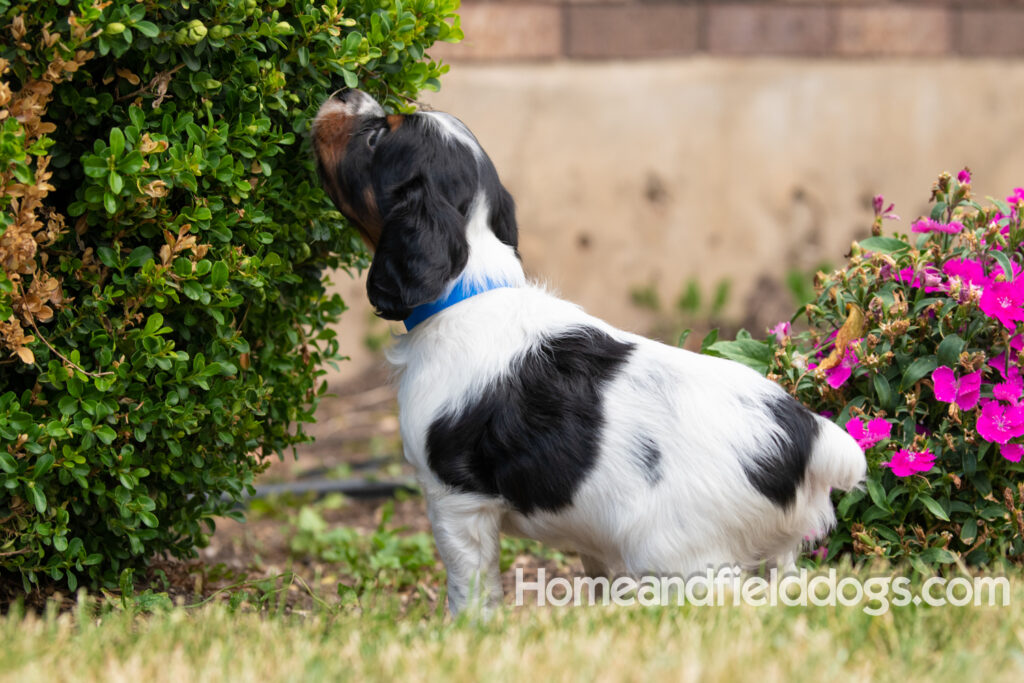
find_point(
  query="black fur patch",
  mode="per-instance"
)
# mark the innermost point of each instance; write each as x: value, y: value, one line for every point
x: 779, y: 468
x: 650, y: 459
x: 425, y: 185
x: 533, y: 437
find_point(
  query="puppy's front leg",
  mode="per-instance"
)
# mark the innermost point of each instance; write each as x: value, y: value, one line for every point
x: 466, y: 530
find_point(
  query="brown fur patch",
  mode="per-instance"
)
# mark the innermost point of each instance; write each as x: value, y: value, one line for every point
x: 331, y: 133
x: 373, y: 225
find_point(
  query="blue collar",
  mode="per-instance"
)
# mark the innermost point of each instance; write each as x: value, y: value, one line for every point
x: 460, y: 290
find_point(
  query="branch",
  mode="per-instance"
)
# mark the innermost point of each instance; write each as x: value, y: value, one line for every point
x: 64, y: 358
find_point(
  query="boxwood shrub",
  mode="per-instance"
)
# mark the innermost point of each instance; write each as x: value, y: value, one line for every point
x: 163, y: 316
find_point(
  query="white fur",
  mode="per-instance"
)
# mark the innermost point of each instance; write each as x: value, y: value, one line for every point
x: 703, y: 412
x: 454, y: 130
x: 707, y: 416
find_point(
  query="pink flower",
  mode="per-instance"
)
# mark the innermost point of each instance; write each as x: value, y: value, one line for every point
x: 877, y: 203
x: 1004, y: 301
x: 1008, y: 391
x: 998, y: 423
x: 905, y: 463
x: 838, y: 375
x: 964, y: 176
x: 1006, y: 365
x: 867, y: 436
x: 781, y: 330
x: 927, y: 276
x: 1011, y: 451
x: 964, y: 391
x: 1016, y: 197
x: 929, y: 225
x: 970, y: 272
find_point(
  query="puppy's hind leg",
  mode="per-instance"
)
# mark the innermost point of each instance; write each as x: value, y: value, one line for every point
x: 593, y: 567
x: 466, y: 530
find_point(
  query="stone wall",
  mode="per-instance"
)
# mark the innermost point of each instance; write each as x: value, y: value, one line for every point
x: 629, y: 29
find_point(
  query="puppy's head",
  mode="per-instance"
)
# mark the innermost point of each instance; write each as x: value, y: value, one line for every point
x: 408, y: 183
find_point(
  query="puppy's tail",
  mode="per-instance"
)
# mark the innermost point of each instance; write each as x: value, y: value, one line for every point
x: 836, y: 460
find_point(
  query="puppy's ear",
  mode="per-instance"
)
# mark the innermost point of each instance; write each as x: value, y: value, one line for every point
x: 422, y: 247
x: 503, y: 218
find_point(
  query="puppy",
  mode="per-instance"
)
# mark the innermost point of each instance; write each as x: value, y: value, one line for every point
x: 523, y: 414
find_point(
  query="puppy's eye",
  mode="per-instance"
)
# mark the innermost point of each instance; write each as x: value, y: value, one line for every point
x: 373, y: 137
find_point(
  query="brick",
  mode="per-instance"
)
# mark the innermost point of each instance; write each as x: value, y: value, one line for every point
x: 505, y: 31
x: 990, y: 33
x: 748, y: 30
x: 894, y: 31
x: 633, y: 31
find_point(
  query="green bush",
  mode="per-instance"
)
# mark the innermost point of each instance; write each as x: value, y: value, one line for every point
x: 915, y: 347
x: 163, y: 319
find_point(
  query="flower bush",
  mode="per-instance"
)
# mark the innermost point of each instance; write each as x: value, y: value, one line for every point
x: 163, y: 319
x: 915, y: 346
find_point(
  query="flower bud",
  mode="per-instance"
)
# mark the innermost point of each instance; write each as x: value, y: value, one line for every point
x: 220, y: 32
x: 196, y: 31
x: 114, y: 28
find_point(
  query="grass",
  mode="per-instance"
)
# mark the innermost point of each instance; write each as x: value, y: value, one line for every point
x: 214, y: 642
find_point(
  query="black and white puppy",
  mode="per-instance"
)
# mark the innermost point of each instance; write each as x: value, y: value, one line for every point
x: 523, y: 414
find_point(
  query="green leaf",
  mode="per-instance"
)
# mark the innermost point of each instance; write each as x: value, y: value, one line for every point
x: 68, y: 405
x: 115, y: 182
x: 849, y: 499
x: 131, y: 164
x: 94, y: 166
x: 116, y: 142
x: 883, y: 391
x: 106, y: 434
x: 153, y: 323
x: 933, y: 506
x: 918, y: 369
x: 1003, y: 207
x: 148, y: 29
x: 7, y: 463
x: 884, y: 245
x: 937, y: 556
x: 877, y: 494
x: 108, y: 256
x: 193, y: 290
x: 139, y: 257
x: 219, y: 274
x: 752, y: 353
x: 709, y: 340
x: 949, y: 350
x: 149, y: 519
x: 1004, y: 263
x: 969, y: 531
x: 43, y: 465
x: 38, y: 498
x: 137, y: 116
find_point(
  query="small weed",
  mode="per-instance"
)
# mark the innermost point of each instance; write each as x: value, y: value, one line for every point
x: 384, y: 558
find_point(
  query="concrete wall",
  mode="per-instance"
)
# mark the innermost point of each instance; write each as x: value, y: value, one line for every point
x: 706, y: 166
